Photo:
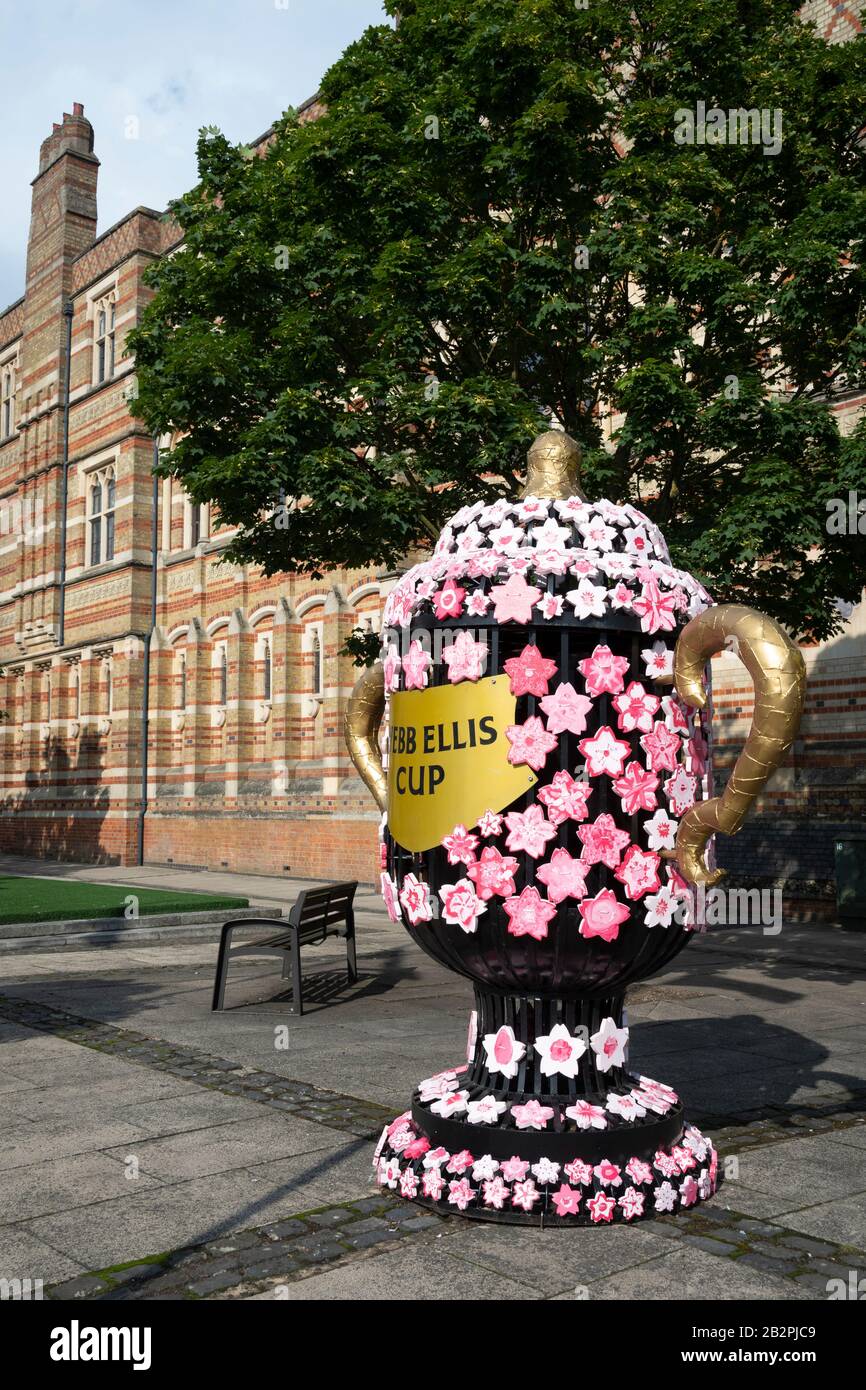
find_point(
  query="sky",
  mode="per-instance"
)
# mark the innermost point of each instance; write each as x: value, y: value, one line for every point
x: 150, y: 73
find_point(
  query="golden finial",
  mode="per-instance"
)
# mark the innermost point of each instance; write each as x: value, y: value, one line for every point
x: 553, y: 467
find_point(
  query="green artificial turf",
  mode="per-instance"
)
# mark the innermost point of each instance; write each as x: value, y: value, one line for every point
x: 55, y: 900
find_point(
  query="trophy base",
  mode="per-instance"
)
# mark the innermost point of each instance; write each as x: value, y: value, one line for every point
x: 568, y: 1177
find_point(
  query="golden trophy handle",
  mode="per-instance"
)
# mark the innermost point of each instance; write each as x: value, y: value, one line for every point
x: 363, y: 718
x: 779, y: 676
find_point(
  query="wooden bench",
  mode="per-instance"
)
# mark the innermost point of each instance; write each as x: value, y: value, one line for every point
x: 316, y: 914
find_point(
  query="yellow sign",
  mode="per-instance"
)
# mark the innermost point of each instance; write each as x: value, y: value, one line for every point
x: 448, y: 760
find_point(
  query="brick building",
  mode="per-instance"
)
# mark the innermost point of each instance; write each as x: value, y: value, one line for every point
x: 245, y: 763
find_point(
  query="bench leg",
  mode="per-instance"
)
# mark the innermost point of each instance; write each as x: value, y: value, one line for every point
x: 297, y: 995
x: 219, y: 989
x: 351, y: 958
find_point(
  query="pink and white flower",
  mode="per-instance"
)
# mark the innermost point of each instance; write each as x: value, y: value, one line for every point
x: 601, y: 1207
x: 604, y: 753
x: 659, y: 662
x: 485, y: 1111
x: 525, y: 1194
x: 388, y: 1174
x: 579, y: 1171
x: 415, y: 898
x: 602, y: 671
x: 528, y: 914
x: 688, y: 1192
x: 477, y: 604
x: 588, y: 599
x: 666, y: 1164
x: 504, y: 1051
x: 545, y: 1171
x: 408, y: 1184
x: 550, y: 606
x: 453, y: 1104
x: 620, y: 596
x: 565, y: 710
x: 661, y: 831
x: 563, y: 877
x: 486, y: 1167
x: 603, y: 841
x: 550, y: 561
x: 566, y: 1200
x: 493, y: 874
x: 565, y: 798
x: 660, y: 907
x: 416, y: 664
x: 608, y: 1174
x: 448, y: 602
x: 597, y: 535
x: 435, y: 1158
x: 460, y: 1193
x: 435, y: 1087
x: 626, y: 1106
x: 632, y: 1203
x: 529, y: 831
x: 550, y: 535
x: 495, y: 1192
x: 460, y: 904
x: 513, y: 601
x: 639, y: 1171
x: 514, y: 1169
x: 661, y: 746
x: 585, y: 1116
x: 657, y: 611
x: 389, y: 895
x: 529, y: 673
x: 465, y: 658
x: 635, y: 707
x: 636, y: 788
x: 560, y: 1053
x: 530, y: 743
x: 676, y: 716
x: 602, y: 915
x: 490, y: 824
x: 609, y: 1044
x: 638, y: 872
x: 665, y: 1197
x: 637, y: 541
x: 461, y: 845
x: 531, y: 1116
x: 680, y: 791
x: 505, y: 538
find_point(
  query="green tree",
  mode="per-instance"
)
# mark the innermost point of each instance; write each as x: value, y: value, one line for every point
x: 497, y: 224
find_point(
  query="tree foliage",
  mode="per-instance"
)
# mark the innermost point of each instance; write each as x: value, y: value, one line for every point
x: 492, y: 227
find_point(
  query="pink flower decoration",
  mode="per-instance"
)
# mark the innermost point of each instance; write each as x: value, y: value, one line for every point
x: 530, y: 743
x: 525, y: 1194
x: 639, y: 872
x: 578, y: 1171
x: 627, y: 1106
x: 465, y: 658
x: 460, y: 1193
x: 680, y: 791
x: 666, y: 1164
x: 565, y: 799
x: 602, y: 915
x: 504, y: 1051
x: 603, y: 842
x: 609, y: 1044
x: 665, y: 1197
x: 659, y: 661
x: 461, y: 906
x: 688, y: 1192
x: 432, y: 1184
x: 585, y: 1116
x: 529, y: 831
x: 604, y: 752
x: 588, y: 599
x: 417, y: 1148
x: 566, y: 1200
x: 495, y: 1192
x: 601, y: 1207
x: 657, y: 611
x: 514, y: 1169
x: 408, y: 1184
x: 531, y: 1116
x: 636, y: 788
x: 566, y: 711
x: 632, y: 1203
x: 514, y: 600
x: 529, y: 672
x: 661, y: 746
x: 448, y: 602
x: 415, y: 898
x: 661, y: 830
x: 635, y: 708
x: 529, y: 914
x: 675, y: 713
x: 559, y: 1052
x: 490, y: 824
x: 603, y: 671
x: 389, y: 894
x: 459, y: 1162
x: 461, y: 845
x: 563, y: 877
x: 550, y: 606
x: 639, y: 1171
x: 477, y: 604
x: 416, y: 664
x: 493, y: 874
x: 608, y: 1173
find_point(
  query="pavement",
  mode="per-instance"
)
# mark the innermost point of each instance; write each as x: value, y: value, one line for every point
x: 152, y: 1149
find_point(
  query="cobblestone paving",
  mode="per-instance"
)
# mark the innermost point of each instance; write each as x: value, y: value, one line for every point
x: 362, y: 1118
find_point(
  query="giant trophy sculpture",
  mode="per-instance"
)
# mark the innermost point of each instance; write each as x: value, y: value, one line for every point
x: 543, y: 698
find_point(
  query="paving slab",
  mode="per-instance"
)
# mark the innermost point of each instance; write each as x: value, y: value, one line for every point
x: 24, y: 1256
x: 685, y: 1274
x: 62, y: 1184
x: 220, y: 1148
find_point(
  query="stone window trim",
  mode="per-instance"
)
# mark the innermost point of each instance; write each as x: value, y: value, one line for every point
x: 8, y: 392
x: 196, y: 523
x: 99, y: 482
x: 101, y: 312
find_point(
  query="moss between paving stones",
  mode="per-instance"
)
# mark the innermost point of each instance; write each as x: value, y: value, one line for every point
x: 57, y: 900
